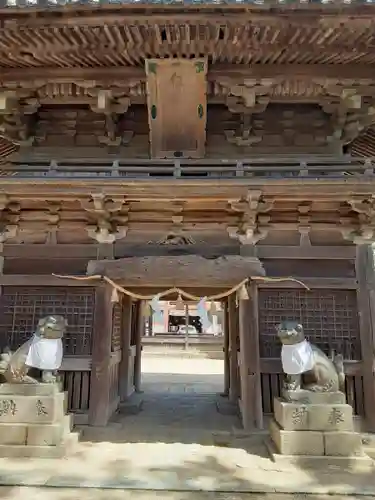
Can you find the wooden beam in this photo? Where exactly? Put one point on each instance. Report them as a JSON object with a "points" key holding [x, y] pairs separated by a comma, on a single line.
{"points": [[66, 251], [50, 188], [43, 280], [100, 389], [282, 16], [312, 252], [76, 364], [228, 71], [366, 280], [337, 283], [298, 189], [50, 252]]}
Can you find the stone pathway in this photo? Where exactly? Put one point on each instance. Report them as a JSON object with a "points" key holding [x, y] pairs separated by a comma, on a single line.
{"points": [[178, 447], [22, 493]]}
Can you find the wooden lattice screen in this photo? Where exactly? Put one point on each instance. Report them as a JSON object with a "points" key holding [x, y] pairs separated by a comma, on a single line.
{"points": [[330, 320], [22, 307]]}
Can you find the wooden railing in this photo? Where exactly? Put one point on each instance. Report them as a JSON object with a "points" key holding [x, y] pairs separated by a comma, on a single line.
{"points": [[280, 167], [76, 377]]}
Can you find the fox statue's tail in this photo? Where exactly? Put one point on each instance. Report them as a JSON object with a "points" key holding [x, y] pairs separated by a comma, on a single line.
{"points": [[338, 361]]}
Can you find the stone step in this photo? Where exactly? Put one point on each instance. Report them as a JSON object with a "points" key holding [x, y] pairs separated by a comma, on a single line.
{"points": [[355, 464], [24, 451], [368, 440]]}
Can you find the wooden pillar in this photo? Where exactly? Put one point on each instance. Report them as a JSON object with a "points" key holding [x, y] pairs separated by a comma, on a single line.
{"points": [[251, 396], [126, 330], [138, 347], [166, 316], [226, 348], [101, 357], [234, 390], [366, 311]]}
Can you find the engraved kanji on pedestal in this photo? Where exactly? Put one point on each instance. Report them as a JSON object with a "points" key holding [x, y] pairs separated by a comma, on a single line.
{"points": [[34, 421]]}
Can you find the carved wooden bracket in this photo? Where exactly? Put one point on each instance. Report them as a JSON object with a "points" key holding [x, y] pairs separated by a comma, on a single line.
{"points": [[177, 235], [16, 122], [304, 226], [112, 107], [350, 112], [8, 232], [53, 218], [111, 218], [102, 204], [364, 231], [245, 136], [104, 233], [253, 219]]}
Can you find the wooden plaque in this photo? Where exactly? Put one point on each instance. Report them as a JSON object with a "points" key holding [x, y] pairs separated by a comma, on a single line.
{"points": [[176, 98]]}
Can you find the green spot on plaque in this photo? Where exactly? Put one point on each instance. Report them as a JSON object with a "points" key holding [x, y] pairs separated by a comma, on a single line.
{"points": [[200, 111], [199, 67], [153, 111], [152, 67]]}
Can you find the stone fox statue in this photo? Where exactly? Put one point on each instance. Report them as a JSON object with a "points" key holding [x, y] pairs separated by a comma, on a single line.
{"points": [[42, 351], [305, 365]]}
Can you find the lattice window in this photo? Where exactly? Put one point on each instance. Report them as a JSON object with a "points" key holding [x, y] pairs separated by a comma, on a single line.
{"points": [[22, 307], [329, 318], [116, 327]]}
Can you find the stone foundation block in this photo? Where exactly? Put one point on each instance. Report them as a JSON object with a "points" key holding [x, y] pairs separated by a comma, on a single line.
{"points": [[343, 444], [13, 434], [46, 434], [29, 389], [296, 442], [59, 451], [318, 398], [31, 409], [352, 464], [313, 417]]}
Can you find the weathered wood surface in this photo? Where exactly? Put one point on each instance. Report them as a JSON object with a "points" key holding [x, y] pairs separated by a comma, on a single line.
{"points": [[178, 271], [220, 43], [101, 358], [234, 383], [126, 332], [176, 97], [366, 308], [304, 213], [69, 251]]}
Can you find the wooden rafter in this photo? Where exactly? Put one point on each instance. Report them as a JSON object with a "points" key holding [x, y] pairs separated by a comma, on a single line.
{"points": [[275, 39], [130, 75]]}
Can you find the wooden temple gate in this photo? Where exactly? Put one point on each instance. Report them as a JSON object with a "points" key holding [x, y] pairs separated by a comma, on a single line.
{"points": [[101, 364], [233, 138]]}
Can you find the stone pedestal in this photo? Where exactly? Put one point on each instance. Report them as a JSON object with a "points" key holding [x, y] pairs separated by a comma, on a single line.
{"points": [[316, 428], [33, 421]]}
